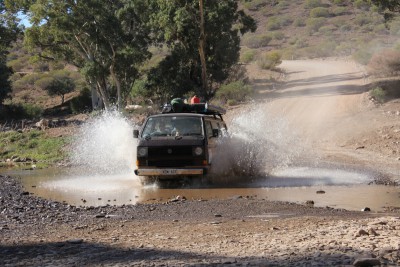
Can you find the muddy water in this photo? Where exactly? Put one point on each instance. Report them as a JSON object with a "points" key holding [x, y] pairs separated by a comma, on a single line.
{"points": [[342, 189]]}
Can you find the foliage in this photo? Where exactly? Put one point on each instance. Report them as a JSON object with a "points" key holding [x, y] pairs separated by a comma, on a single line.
{"points": [[248, 56], [362, 4], [81, 103], [257, 41], [385, 63], [299, 22], [313, 24], [20, 111], [107, 41], [319, 12], [33, 144], [269, 60], [58, 84], [181, 70], [378, 94], [314, 3], [392, 5], [236, 91], [8, 33]]}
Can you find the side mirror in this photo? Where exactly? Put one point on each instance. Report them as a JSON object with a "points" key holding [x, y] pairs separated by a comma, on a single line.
{"points": [[215, 132], [135, 133]]}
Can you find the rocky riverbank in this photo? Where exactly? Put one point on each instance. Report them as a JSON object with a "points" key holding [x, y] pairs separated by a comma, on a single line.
{"points": [[235, 232]]}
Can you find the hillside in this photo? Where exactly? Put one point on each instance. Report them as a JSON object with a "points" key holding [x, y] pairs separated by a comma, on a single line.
{"points": [[293, 29]]}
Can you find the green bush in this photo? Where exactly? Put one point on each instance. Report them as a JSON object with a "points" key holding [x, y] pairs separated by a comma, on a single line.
{"points": [[319, 12], [313, 24], [254, 4], [236, 91], [273, 25], [20, 111], [313, 3], [278, 35], [81, 103], [363, 19], [269, 60], [339, 11], [339, 2], [248, 56], [378, 94], [299, 22], [394, 27], [256, 41], [362, 4]]}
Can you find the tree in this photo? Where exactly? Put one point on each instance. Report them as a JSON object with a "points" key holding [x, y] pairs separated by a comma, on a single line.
{"points": [[217, 39], [107, 40], [56, 85], [8, 33]]}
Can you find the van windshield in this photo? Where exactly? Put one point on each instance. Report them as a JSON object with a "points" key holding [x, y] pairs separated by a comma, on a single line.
{"points": [[173, 126]]}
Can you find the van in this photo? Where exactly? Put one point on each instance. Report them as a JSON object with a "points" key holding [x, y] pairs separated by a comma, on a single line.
{"points": [[179, 142]]}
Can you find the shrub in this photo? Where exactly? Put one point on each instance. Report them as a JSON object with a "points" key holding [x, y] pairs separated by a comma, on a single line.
{"points": [[362, 19], [269, 60], [278, 35], [313, 24], [362, 4], [313, 3], [247, 56], [273, 25], [339, 11], [378, 94], [20, 111], [299, 22], [237, 91], [257, 41], [255, 4], [385, 63], [56, 85], [339, 2], [319, 12], [81, 103], [327, 30]]}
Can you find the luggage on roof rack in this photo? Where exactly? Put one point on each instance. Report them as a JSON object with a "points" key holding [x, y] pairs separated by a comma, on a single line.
{"points": [[202, 108]]}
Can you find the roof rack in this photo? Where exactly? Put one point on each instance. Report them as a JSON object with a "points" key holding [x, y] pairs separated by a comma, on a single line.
{"points": [[201, 108]]}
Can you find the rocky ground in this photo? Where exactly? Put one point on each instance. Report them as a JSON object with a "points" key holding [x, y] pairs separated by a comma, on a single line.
{"points": [[237, 232]]}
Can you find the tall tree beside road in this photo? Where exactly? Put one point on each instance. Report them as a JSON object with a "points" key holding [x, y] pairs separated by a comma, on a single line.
{"points": [[8, 33], [107, 40], [215, 41]]}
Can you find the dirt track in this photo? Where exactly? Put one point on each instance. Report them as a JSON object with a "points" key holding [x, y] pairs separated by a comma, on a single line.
{"points": [[326, 104]]}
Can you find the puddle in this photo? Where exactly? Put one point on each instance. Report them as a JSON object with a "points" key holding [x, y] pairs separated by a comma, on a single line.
{"points": [[341, 189]]}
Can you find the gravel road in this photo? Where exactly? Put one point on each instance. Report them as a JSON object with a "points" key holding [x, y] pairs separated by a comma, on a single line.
{"points": [[241, 231]]}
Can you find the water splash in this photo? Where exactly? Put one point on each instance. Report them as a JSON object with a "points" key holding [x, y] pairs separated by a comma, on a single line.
{"points": [[105, 145], [257, 143]]}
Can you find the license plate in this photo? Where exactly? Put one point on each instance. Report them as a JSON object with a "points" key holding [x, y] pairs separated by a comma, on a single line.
{"points": [[169, 172]]}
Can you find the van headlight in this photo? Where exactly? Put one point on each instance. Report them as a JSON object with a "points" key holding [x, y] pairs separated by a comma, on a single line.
{"points": [[198, 151], [142, 151]]}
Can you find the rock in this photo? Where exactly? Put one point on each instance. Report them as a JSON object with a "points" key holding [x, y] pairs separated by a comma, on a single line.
{"points": [[360, 147], [217, 215], [371, 231], [310, 202], [320, 192], [361, 232], [366, 209], [366, 262], [100, 215]]}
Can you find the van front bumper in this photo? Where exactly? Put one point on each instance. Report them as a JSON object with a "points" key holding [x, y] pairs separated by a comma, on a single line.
{"points": [[169, 172]]}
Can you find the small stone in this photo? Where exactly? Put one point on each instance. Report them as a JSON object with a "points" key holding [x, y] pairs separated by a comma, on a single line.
{"points": [[366, 209], [361, 232], [371, 231], [100, 215], [217, 215], [310, 202], [320, 192]]}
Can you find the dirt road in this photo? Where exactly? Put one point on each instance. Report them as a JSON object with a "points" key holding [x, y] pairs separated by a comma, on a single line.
{"points": [[326, 102]]}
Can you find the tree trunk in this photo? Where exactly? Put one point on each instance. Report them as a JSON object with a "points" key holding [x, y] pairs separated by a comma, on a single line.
{"points": [[202, 44], [102, 90], [118, 85]]}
